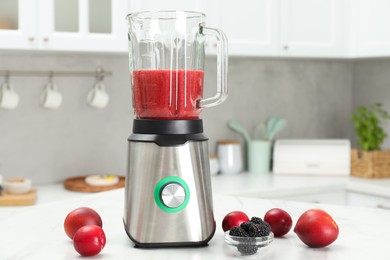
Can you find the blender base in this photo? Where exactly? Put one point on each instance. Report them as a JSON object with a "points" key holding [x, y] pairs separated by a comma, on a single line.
{"points": [[168, 197], [176, 244]]}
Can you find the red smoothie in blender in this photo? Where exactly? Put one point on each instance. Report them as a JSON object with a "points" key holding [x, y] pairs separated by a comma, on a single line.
{"points": [[167, 94]]}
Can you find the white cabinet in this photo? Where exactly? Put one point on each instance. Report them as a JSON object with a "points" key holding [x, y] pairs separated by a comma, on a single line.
{"points": [[17, 24], [68, 25], [156, 5], [314, 28], [251, 26], [304, 28], [334, 197], [372, 28], [367, 200], [276, 28], [299, 28], [346, 197], [87, 25]]}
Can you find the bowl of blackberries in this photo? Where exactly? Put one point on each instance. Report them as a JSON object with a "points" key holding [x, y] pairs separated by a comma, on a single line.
{"points": [[250, 238]]}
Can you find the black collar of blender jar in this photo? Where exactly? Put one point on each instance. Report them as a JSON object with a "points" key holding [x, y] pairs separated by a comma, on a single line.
{"points": [[167, 127], [167, 132]]}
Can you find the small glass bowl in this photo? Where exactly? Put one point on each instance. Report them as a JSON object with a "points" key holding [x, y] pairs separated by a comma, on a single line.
{"points": [[247, 247]]}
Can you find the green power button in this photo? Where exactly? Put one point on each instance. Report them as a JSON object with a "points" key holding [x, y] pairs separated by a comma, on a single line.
{"points": [[171, 194]]}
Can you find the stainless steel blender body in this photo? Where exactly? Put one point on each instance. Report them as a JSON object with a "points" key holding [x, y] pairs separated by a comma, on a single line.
{"points": [[149, 225], [168, 197]]}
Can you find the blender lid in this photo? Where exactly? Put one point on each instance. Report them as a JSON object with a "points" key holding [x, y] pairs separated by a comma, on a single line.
{"points": [[167, 127]]}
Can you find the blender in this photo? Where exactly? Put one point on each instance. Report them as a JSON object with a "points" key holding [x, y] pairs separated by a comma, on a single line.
{"points": [[168, 198]]}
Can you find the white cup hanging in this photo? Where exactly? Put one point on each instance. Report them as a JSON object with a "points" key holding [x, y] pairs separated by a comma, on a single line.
{"points": [[97, 96], [51, 97], [9, 98]]}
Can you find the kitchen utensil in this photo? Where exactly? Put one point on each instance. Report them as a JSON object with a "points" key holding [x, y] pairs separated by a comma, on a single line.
{"points": [[260, 131], [278, 126], [259, 156], [235, 126], [168, 185], [271, 122], [229, 156]]}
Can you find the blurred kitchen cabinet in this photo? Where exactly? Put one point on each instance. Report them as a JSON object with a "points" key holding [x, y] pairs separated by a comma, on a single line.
{"points": [[304, 28], [337, 197], [371, 28], [251, 26], [82, 25], [158, 5], [287, 28], [314, 28], [367, 200], [63, 25], [342, 197], [17, 24]]}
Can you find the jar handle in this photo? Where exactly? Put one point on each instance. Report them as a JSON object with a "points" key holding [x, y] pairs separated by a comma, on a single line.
{"points": [[222, 68]]}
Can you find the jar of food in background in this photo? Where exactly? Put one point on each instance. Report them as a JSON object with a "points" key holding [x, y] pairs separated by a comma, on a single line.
{"points": [[214, 165], [229, 156]]}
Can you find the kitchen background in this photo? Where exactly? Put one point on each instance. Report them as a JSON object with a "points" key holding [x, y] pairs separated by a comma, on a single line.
{"points": [[317, 95]]}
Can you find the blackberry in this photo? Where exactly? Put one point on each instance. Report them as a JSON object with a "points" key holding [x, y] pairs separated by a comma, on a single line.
{"points": [[256, 220], [266, 228], [246, 249], [254, 230], [246, 226], [238, 232]]}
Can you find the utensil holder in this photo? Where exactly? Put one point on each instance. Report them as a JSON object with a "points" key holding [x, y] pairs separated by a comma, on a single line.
{"points": [[259, 156]]}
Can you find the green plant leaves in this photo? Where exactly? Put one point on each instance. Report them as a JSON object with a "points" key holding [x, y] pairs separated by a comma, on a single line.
{"points": [[368, 126]]}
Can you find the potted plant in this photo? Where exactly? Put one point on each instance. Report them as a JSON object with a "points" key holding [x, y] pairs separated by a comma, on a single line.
{"points": [[369, 161]]}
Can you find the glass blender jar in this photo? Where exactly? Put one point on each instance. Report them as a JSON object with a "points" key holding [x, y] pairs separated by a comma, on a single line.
{"points": [[168, 200]]}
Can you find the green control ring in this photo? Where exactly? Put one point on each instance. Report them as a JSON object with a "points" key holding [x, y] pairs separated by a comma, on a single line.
{"points": [[161, 184]]}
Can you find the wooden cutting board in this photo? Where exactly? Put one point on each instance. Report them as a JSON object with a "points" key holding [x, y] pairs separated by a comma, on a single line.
{"points": [[26, 199], [79, 184]]}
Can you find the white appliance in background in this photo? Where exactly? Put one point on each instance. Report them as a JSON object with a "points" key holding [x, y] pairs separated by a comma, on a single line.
{"points": [[312, 157]]}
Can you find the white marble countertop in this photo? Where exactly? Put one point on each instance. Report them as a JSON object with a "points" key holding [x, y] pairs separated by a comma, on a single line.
{"points": [[36, 232]]}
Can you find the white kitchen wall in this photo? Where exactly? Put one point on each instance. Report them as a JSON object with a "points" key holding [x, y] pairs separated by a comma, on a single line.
{"points": [[372, 85], [315, 96], [48, 145]]}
